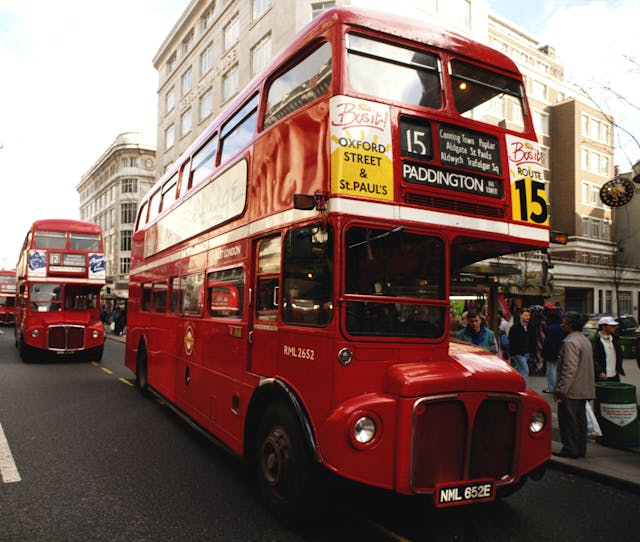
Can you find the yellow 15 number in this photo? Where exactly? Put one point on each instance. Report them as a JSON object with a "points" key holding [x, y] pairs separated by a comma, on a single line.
{"points": [[529, 200]]}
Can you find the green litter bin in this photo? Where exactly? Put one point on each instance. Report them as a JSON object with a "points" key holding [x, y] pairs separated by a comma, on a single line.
{"points": [[616, 409], [628, 345]]}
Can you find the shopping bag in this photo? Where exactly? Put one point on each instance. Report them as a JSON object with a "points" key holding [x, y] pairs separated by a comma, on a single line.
{"points": [[593, 427]]}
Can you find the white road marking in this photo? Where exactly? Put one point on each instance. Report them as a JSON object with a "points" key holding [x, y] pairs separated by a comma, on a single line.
{"points": [[8, 470]]}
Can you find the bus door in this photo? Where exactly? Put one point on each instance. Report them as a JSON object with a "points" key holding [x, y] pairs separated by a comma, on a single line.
{"points": [[263, 329]]}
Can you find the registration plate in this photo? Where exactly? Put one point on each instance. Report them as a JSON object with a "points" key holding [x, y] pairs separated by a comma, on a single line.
{"points": [[456, 494]]}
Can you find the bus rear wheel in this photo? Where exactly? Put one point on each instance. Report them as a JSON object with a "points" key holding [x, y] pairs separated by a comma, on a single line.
{"points": [[284, 466]]}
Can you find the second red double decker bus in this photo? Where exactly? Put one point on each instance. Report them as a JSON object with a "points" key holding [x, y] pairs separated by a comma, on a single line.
{"points": [[290, 276], [7, 297], [60, 273]]}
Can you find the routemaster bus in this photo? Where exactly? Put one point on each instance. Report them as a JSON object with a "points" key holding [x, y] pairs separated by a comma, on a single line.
{"points": [[7, 297], [290, 275], [60, 273]]}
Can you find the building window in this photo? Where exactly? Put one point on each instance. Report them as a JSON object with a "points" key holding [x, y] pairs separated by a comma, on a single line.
{"points": [[591, 195], [260, 54], [185, 122], [125, 264], [318, 7], [540, 122], [595, 129], [206, 103], [187, 81], [231, 32], [457, 12], [187, 43], [259, 7], [125, 240], [129, 186], [230, 83], [169, 137], [170, 65], [170, 99], [625, 302], [538, 90], [595, 162], [133, 161], [207, 16], [206, 59], [128, 212]]}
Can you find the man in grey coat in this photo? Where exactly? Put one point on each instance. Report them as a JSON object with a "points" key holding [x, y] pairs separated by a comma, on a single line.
{"points": [[575, 385]]}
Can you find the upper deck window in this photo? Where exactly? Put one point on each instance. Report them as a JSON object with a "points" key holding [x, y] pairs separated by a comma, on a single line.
{"points": [[393, 72], [84, 241], [239, 129], [487, 96], [303, 83], [49, 239]]}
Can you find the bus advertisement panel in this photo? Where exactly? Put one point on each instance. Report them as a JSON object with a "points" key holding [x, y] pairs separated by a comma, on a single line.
{"points": [[60, 273], [7, 297], [291, 272]]}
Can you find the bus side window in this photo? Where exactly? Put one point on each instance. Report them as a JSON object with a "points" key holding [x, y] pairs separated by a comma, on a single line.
{"points": [[174, 307], [160, 297], [191, 300], [307, 276], [142, 215], [146, 297], [306, 81], [267, 283], [239, 129], [168, 194], [225, 292], [204, 161]]}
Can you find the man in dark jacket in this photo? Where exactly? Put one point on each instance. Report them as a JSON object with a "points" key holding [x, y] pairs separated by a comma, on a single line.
{"points": [[607, 352], [520, 344]]}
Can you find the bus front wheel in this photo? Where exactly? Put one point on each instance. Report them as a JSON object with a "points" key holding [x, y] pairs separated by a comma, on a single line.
{"points": [[26, 353], [284, 466]]}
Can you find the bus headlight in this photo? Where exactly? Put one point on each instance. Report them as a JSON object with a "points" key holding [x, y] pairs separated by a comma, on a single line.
{"points": [[537, 422], [95, 334], [35, 334], [364, 430]]}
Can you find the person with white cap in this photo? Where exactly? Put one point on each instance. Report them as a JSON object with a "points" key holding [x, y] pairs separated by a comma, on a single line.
{"points": [[607, 352]]}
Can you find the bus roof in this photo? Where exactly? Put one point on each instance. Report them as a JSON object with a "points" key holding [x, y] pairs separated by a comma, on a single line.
{"points": [[67, 225]]}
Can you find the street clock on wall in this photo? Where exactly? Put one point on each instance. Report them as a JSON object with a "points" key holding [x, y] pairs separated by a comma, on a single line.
{"points": [[617, 192]]}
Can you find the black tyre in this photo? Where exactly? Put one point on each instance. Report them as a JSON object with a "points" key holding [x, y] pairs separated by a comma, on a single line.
{"points": [[26, 352], [284, 466], [141, 371]]}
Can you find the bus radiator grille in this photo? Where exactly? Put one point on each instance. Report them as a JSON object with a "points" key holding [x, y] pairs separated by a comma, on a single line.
{"points": [[448, 447], [65, 338], [466, 207]]}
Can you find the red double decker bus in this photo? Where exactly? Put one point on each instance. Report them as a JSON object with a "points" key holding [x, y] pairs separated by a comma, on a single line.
{"points": [[7, 297], [291, 272], [60, 273]]}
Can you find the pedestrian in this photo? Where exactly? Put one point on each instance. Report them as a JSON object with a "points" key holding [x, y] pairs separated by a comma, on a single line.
{"points": [[520, 344], [503, 335], [551, 348], [607, 351], [477, 333], [575, 386], [116, 319]]}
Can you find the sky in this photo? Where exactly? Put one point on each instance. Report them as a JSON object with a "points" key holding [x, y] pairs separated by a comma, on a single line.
{"points": [[77, 73]]}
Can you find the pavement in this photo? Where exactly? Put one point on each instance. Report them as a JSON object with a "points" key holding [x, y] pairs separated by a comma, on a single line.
{"points": [[616, 466]]}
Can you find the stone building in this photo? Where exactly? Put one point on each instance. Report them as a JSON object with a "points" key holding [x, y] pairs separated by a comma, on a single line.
{"points": [[109, 195]]}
